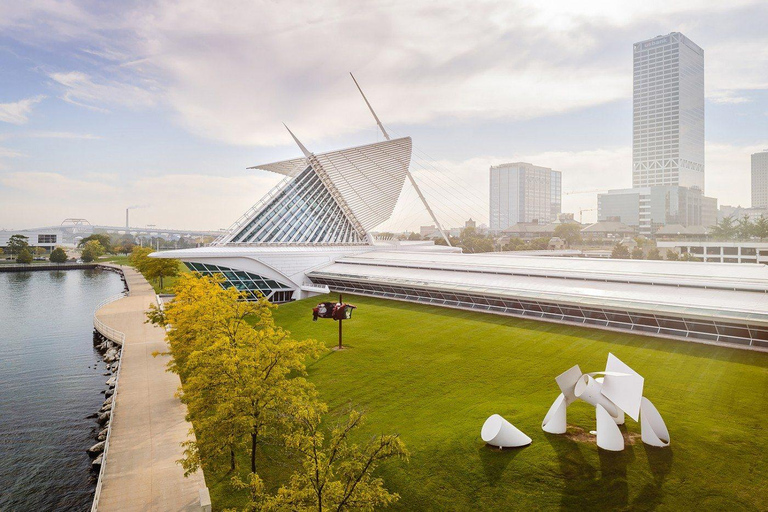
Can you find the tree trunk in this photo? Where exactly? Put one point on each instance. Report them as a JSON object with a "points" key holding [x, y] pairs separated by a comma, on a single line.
{"points": [[231, 459], [253, 452]]}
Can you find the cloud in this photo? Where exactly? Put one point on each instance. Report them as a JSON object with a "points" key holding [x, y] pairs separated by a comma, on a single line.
{"points": [[81, 89], [197, 202], [18, 112], [232, 71]]}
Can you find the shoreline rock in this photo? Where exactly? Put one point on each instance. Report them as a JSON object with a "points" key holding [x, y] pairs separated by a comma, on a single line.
{"points": [[97, 448]]}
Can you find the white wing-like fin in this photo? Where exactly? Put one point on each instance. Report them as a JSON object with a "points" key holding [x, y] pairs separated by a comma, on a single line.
{"points": [[623, 386], [653, 430], [555, 420], [567, 380], [608, 434]]}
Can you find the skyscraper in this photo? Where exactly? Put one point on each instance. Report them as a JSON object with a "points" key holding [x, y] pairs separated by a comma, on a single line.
{"points": [[760, 179], [522, 192], [667, 139], [668, 113]]}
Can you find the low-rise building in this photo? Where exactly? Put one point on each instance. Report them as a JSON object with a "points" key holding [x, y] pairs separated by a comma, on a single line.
{"points": [[719, 252]]}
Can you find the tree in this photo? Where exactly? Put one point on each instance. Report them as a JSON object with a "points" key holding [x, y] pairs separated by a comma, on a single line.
{"points": [[761, 227], [159, 268], [243, 383], [24, 257], [58, 255], [92, 250], [17, 243], [102, 238], [570, 232], [620, 251], [637, 253], [689, 257], [1, 251], [744, 228], [414, 236], [653, 254], [140, 259], [672, 255], [539, 244], [725, 229], [335, 473]]}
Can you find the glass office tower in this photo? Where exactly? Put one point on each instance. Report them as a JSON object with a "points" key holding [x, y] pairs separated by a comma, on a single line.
{"points": [[668, 100], [523, 192]]}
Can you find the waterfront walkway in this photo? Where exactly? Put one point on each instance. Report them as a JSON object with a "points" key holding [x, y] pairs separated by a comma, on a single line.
{"points": [[148, 424]]}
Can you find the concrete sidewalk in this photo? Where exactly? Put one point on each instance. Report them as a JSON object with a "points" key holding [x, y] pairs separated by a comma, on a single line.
{"points": [[148, 424]]}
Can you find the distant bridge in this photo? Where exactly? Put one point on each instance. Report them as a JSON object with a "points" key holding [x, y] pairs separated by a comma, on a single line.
{"points": [[74, 228]]}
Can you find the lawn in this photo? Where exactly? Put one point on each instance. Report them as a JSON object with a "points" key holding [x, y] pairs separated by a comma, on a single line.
{"points": [[434, 375]]}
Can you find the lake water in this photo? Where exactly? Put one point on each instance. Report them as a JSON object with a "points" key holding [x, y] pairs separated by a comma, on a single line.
{"points": [[51, 380]]}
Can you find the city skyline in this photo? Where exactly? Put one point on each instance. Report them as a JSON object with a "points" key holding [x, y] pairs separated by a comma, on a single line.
{"points": [[125, 108]]}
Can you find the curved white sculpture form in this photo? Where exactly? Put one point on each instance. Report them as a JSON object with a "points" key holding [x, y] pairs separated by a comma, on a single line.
{"points": [[609, 436], [614, 392], [499, 432], [653, 430], [554, 421]]}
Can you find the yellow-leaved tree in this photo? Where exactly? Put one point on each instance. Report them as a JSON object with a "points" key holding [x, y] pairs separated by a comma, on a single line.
{"points": [[242, 381]]}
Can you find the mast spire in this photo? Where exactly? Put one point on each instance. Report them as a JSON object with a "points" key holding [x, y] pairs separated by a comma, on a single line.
{"points": [[407, 171], [298, 142]]}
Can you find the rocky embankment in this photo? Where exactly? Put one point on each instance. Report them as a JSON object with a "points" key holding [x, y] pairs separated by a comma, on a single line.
{"points": [[110, 353]]}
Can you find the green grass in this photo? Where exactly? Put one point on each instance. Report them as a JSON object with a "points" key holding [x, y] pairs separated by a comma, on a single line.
{"points": [[434, 375]]}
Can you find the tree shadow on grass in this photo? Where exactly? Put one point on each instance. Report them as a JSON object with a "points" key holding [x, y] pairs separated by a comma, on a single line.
{"points": [[495, 461]]}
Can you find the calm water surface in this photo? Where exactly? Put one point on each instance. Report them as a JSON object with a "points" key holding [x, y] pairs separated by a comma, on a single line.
{"points": [[51, 379]]}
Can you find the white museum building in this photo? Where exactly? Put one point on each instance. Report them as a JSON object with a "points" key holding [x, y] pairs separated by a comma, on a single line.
{"points": [[311, 234]]}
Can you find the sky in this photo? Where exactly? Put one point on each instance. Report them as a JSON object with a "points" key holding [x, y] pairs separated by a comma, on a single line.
{"points": [[161, 106]]}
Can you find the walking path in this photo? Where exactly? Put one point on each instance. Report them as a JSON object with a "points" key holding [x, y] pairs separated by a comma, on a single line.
{"points": [[148, 424]]}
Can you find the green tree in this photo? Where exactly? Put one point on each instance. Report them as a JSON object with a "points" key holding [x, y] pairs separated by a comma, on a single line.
{"points": [[653, 254], [570, 233], [725, 229], [159, 268], [672, 255], [761, 227], [140, 259], [336, 474], [539, 244], [103, 239], [58, 255], [17, 243], [24, 257], [1, 251], [92, 250], [637, 253], [744, 228], [414, 236], [620, 251]]}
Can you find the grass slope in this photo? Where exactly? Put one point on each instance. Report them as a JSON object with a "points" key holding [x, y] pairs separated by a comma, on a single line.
{"points": [[434, 375]]}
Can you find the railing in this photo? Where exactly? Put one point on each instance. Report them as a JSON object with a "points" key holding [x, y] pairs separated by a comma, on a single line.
{"points": [[261, 203], [121, 336], [105, 330]]}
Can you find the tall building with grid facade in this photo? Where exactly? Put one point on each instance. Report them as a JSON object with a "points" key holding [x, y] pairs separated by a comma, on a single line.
{"points": [[523, 192], [760, 179], [668, 113]]}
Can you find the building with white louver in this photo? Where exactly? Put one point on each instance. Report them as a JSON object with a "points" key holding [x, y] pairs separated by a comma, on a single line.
{"points": [[311, 234]]}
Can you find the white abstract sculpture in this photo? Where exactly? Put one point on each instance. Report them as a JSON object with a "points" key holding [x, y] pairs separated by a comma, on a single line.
{"points": [[499, 432], [614, 392]]}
